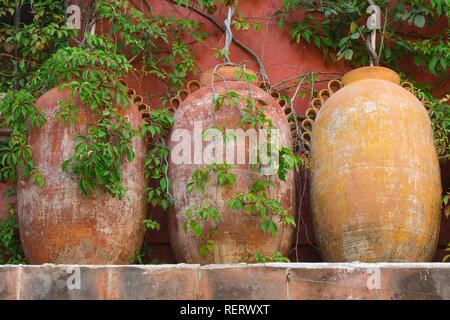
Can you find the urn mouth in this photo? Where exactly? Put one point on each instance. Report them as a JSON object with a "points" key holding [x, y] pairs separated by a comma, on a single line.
{"points": [[222, 73], [366, 73]]}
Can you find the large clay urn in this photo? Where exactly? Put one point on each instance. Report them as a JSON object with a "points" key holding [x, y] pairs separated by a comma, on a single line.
{"points": [[239, 235], [60, 225], [375, 174]]}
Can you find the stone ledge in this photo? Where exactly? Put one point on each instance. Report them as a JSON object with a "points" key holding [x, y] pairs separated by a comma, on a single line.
{"points": [[271, 281]]}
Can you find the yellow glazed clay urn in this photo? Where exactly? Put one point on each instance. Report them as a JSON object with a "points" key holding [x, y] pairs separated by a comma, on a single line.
{"points": [[375, 173]]}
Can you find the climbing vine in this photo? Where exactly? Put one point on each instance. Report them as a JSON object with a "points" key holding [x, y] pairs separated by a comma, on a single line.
{"points": [[159, 43], [338, 29], [93, 70], [257, 200], [39, 51], [156, 131], [439, 112]]}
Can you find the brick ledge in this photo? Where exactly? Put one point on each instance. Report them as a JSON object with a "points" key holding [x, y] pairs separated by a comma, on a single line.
{"points": [[271, 281]]}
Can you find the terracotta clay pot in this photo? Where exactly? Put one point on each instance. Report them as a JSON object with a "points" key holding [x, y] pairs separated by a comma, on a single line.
{"points": [[60, 225], [239, 235], [375, 181]]}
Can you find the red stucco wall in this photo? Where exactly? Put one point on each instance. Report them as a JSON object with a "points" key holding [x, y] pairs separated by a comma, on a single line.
{"points": [[281, 57]]}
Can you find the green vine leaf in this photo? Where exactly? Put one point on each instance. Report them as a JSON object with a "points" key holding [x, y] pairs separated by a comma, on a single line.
{"points": [[151, 224]]}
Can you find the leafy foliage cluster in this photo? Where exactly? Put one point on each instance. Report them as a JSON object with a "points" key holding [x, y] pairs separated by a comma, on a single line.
{"points": [[239, 22], [41, 51], [198, 218], [10, 248], [17, 110], [256, 201], [159, 43], [156, 131], [338, 29], [25, 45], [439, 112], [276, 257], [93, 71]]}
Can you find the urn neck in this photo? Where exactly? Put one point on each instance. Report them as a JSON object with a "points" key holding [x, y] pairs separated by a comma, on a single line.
{"points": [[222, 73], [367, 73]]}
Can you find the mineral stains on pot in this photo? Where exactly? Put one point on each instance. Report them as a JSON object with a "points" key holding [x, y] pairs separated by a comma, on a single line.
{"points": [[60, 225], [375, 178], [239, 235]]}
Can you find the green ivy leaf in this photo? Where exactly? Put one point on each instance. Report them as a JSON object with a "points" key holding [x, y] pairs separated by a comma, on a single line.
{"points": [[348, 54], [65, 164], [203, 251], [196, 228], [269, 226]]}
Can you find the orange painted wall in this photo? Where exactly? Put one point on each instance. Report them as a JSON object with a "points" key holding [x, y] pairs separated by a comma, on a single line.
{"points": [[281, 57]]}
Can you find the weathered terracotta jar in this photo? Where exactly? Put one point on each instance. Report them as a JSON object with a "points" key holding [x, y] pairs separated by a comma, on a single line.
{"points": [[239, 235], [375, 181], [60, 225]]}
